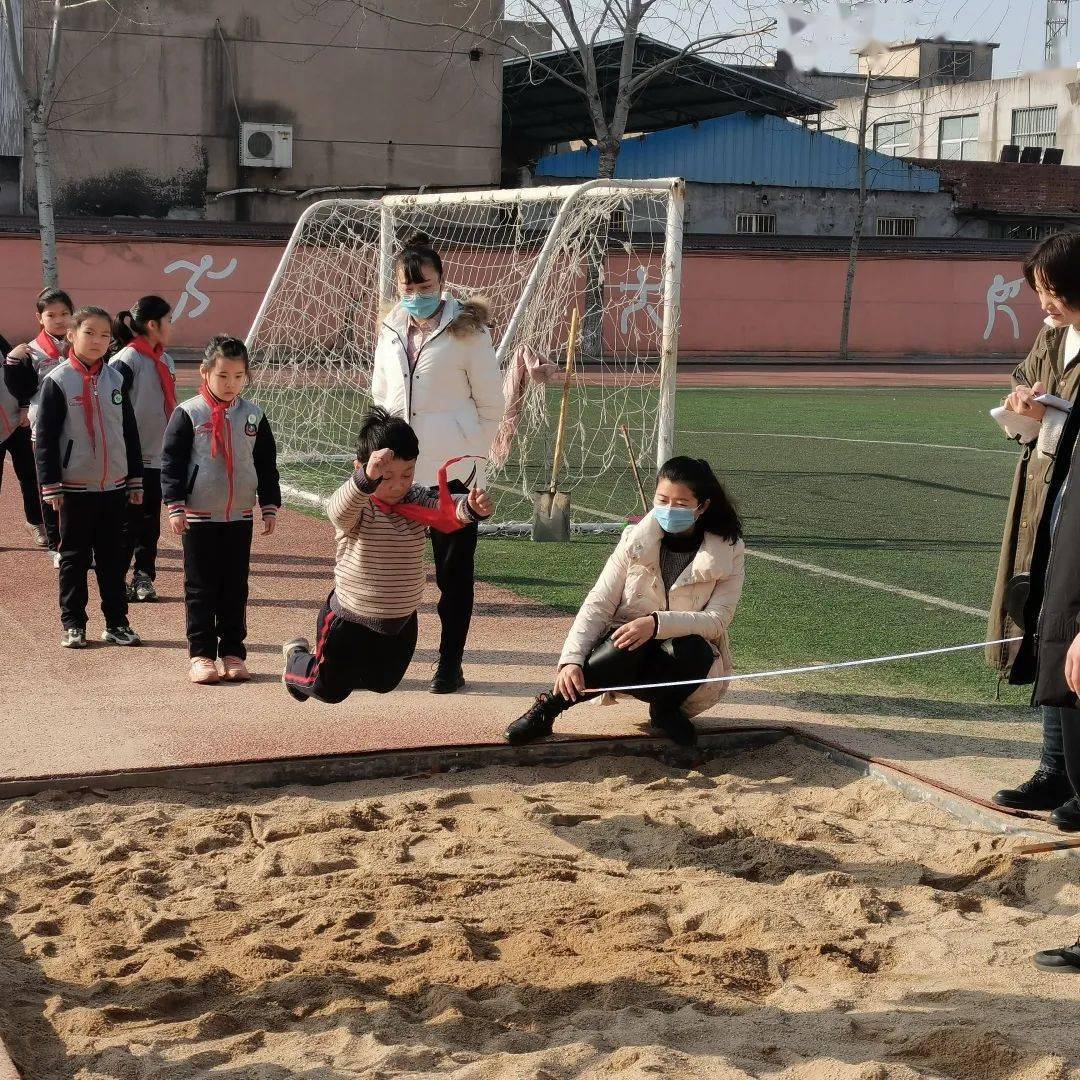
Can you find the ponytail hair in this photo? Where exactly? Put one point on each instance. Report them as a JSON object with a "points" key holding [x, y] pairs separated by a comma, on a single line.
{"points": [[418, 252], [697, 474], [146, 309]]}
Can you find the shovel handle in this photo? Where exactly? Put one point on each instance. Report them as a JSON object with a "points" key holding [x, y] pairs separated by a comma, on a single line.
{"points": [[633, 467], [571, 350], [1048, 845]]}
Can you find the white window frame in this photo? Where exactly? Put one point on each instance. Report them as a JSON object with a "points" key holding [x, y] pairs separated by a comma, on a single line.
{"points": [[893, 146], [1045, 133], [963, 142], [758, 224], [896, 226]]}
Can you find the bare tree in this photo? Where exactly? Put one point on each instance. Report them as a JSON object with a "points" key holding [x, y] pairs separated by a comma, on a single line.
{"points": [[579, 27], [37, 102]]}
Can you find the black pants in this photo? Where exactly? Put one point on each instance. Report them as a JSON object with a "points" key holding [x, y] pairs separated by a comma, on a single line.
{"points": [[18, 447], [92, 523], [455, 574], [142, 529], [1053, 748], [350, 657], [217, 557], [672, 660]]}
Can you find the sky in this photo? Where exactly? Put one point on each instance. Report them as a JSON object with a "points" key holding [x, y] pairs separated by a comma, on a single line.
{"points": [[1017, 25]]}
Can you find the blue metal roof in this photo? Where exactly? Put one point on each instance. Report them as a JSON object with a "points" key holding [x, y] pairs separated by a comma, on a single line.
{"points": [[745, 149]]}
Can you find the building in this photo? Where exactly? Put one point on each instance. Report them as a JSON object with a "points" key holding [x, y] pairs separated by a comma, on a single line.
{"points": [[247, 110]]}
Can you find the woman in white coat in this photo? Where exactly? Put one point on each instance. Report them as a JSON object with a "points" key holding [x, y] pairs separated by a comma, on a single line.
{"points": [[436, 368], [660, 611]]}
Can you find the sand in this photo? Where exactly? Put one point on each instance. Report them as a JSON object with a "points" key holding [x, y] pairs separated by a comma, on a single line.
{"points": [[772, 915]]}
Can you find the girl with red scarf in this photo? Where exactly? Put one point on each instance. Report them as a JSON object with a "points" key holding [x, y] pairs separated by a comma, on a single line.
{"points": [[366, 631], [150, 380], [218, 460]]}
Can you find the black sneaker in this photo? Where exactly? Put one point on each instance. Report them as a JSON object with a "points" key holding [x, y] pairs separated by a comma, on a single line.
{"points": [[448, 680], [120, 635], [675, 724], [142, 589], [74, 637], [1045, 790], [1067, 816], [1064, 959], [537, 723]]}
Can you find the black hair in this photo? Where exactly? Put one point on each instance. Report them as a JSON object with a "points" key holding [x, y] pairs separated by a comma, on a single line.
{"points": [[53, 296], [231, 348], [1055, 263], [381, 431], [90, 311], [418, 252], [697, 474], [145, 310]]}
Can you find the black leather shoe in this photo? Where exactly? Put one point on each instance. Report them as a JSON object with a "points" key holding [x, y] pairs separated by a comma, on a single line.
{"points": [[1067, 816], [675, 724], [1065, 959], [537, 723], [447, 680], [1044, 791]]}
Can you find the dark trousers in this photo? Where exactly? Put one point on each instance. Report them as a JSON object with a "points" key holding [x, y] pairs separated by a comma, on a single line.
{"points": [[92, 523], [17, 446], [217, 557], [350, 657], [142, 530], [455, 574], [672, 660], [1053, 747], [50, 520]]}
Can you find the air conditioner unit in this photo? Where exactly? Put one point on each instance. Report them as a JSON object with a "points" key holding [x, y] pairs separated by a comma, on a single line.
{"points": [[267, 146]]}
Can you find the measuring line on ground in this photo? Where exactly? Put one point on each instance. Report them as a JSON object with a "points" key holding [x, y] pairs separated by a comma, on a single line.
{"points": [[841, 439]]}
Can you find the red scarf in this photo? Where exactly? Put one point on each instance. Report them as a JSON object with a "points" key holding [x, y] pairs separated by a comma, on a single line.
{"points": [[89, 377], [47, 344], [165, 376], [219, 436], [444, 518]]}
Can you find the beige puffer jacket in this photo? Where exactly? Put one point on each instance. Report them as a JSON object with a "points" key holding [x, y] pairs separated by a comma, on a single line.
{"points": [[701, 601]]}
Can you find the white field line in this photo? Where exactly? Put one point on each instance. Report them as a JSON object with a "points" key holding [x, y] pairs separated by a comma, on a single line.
{"points": [[840, 439], [797, 564]]}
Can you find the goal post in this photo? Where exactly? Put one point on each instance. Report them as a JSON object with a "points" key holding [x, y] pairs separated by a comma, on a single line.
{"points": [[613, 248]]}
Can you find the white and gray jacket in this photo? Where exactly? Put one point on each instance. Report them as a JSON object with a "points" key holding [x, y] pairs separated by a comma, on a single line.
{"points": [[25, 368], [148, 401], [68, 460], [200, 486]]}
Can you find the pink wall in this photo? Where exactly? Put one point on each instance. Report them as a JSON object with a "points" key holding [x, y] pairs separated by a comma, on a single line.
{"points": [[732, 304]]}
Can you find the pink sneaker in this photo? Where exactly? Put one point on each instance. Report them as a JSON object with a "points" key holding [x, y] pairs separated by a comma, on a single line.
{"points": [[233, 669], [204, 671]]}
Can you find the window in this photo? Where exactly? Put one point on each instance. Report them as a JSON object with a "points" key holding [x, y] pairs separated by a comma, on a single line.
{"points": [[1035, 127], [896, 226], [755, 223], [1022, 230], [954, 65], [893, 137], [958, 138]]}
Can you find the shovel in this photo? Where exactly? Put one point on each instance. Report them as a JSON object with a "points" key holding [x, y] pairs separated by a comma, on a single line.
{"points": [[551, 508], [634, 518]]}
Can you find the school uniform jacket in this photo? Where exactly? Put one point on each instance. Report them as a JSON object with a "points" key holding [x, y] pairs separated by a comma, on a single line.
{"points": [[25, 369], [144, 387], [68, 460], [201, 486], [10, 404]]}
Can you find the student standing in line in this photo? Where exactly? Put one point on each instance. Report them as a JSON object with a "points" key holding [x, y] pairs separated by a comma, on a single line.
{"points": [[435, 367], [89, 465], [24, 369], [150, 379], [218, 460]]}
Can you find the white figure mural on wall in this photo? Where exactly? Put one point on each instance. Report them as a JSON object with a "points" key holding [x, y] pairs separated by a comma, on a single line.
{"points": [[639, 301], [191, 289], [1001, 290]]}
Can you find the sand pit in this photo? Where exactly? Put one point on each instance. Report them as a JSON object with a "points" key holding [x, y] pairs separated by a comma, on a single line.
{"points": [[771, 915]]}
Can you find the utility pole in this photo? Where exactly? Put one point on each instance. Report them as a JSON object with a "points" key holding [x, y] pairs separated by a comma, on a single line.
{"points": [[1057, 28]]}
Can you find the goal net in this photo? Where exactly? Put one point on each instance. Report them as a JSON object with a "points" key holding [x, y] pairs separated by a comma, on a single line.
{"points": [[610, 248]]}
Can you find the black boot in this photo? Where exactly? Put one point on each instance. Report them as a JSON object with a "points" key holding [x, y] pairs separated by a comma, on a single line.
{"points": [[448, 679], [1045, 790], [1067, 816], [537, 723], [1064, 959], [674, 723]]}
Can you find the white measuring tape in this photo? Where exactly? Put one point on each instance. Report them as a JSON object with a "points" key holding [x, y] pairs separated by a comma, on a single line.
{"points": [[805, 670]]}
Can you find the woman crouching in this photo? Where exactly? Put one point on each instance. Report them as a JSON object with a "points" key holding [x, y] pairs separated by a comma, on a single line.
{"points": [[660, 611]]}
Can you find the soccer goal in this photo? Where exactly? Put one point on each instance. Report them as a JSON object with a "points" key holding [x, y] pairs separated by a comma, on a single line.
{"points": [[612, 248]]}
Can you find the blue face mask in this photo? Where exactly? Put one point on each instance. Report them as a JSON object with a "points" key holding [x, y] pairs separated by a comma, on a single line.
{"points": [[421, 307], [675, 519]]}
